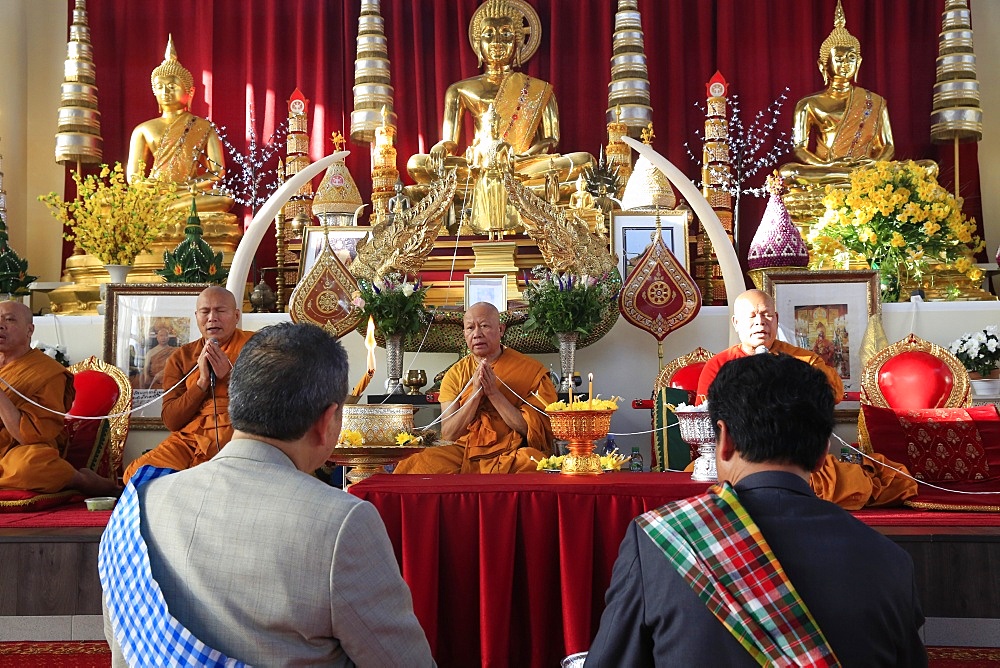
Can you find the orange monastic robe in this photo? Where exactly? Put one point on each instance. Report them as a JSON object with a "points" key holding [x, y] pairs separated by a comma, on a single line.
{"points": [[191, 414], [713, 365], [850, 486], [488, 444], [35, 465]]}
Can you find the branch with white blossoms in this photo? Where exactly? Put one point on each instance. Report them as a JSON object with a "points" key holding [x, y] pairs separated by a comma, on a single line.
{"points": [[58, 353], [978, 352]]}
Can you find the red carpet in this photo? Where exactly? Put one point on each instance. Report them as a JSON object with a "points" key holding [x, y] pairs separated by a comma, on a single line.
{"points": [[881, 517], [72, 515], [91, 654], [97, 655]]}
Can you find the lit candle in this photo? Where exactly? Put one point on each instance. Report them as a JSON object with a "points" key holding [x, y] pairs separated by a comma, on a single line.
{"points": [[590, 390], [571, 388]]}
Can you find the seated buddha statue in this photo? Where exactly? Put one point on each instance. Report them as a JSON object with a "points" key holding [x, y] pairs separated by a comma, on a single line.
{"points": [[837, 129], [185, 149], [503, 33]]}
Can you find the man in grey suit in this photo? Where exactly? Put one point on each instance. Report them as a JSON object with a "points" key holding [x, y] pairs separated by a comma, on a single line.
{"points": [[257, 560], [700, 581]]}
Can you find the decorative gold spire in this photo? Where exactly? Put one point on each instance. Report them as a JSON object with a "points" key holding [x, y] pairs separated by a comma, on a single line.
{"points": [[372, 89], [618, 152], [957, 114], [78, 137], [716, 173], [629, 87]]}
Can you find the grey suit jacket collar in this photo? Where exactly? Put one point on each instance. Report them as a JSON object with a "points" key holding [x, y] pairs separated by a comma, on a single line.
{"points": [[254, 450]]}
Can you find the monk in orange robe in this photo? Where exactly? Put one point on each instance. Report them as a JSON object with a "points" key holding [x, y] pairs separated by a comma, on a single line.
{"points": [[31, 437], [850, 486], [197, 412], [491, 407]]}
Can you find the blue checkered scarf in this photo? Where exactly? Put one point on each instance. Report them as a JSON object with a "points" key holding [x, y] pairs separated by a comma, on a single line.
{"points": [[144, 628]]}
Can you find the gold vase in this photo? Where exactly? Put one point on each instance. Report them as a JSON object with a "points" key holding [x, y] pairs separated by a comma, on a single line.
{"points": [[581, 429]]}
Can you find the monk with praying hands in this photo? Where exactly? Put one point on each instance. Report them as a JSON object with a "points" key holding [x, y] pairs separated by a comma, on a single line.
{"points": [[852, 486], [197, 410], [492, 407], [35, 392]]}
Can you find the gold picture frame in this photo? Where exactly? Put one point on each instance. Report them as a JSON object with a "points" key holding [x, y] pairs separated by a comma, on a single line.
{"points": [[830, 322], [345, 240], [632, 232], [132, 314], [490, 288]]}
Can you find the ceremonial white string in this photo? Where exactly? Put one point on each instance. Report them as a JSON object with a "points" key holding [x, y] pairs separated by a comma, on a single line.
{"points": [[97, 417]]}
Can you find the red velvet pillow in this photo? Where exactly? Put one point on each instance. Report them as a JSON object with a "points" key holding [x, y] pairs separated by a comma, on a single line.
{"points": [[96, 394], [686, 378], [915, 379], [939, 444], [20, 501]]}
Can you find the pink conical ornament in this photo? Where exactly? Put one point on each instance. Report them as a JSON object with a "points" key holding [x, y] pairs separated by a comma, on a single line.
{"points": [[777, 242]]}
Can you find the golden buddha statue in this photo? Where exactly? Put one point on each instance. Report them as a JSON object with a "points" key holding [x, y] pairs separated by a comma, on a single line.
{"points": [[186, 150], [837, 129], [504, 34]]}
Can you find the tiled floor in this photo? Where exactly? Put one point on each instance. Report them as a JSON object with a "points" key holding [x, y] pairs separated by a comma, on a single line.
{"points": [[63, 627], [938, 632]]}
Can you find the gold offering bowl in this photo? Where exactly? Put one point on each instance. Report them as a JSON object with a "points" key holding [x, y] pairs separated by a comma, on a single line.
{"points": [[415, 379], [581, 429], [378, 424]]}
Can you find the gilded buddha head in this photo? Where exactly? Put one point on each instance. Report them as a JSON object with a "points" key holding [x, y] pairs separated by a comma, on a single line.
{"points": [[840, 52], [172, 83], [505, 31]]}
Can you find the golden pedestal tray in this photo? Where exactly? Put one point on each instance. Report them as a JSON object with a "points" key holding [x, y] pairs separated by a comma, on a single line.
{"points": [[365, 461], [581, 429]]}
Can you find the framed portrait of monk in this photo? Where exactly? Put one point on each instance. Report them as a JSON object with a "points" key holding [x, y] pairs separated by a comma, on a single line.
{"points": [[143, 324], [632, 233], [827, 312], [344, 239]]}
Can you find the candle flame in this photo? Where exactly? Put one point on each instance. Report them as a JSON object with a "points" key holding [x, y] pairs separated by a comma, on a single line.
{"points": [[370, 344]]}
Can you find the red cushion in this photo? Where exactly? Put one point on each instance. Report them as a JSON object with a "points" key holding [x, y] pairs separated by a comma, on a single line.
{"points": [[954, 448], [915, 379], [686, 378], [19, 501], [96, 394]]}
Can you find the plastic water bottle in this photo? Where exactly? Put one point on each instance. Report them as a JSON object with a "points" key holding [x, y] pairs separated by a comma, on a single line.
{"points": [[635, 461], [609, 444]]}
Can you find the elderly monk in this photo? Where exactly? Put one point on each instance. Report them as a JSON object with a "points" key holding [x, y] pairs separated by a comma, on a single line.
{"points": [[755, 319], [197, 411], [31, 435], [492, 403]]}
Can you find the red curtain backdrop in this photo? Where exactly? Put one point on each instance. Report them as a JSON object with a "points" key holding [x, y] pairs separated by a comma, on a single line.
{"points": [[246, 53]]}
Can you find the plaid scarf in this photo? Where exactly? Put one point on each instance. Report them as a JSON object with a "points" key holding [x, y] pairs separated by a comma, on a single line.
{"points": [[719, 551], [144, 628]]}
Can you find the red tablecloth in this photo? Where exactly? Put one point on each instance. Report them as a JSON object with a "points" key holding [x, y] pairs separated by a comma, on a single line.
{"points": [[511, 570]]}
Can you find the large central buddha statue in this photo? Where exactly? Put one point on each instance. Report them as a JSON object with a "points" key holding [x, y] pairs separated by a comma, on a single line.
{"points": [[504, 34], [837, 129], [185, 149]]}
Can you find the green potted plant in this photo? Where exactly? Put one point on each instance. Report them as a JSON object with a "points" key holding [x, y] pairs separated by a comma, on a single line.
{"points": [[396, 305]]}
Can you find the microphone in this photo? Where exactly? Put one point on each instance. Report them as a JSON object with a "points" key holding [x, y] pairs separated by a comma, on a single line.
{"points": [[760, 350], [211, 369]]}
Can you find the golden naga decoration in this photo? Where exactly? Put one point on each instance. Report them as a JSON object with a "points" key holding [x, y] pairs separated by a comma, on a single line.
{"points": [[403, 242], [566, 244]]}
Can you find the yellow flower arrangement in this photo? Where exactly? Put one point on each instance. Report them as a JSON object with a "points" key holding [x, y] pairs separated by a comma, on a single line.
{"points": [[897, 216], [578, 404], [406, 438], [351, 438], [111, 219]]}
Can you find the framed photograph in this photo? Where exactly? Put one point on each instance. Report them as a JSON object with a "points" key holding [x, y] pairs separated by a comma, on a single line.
{"points": [[632, 232], [343, 239], [826, 311], [490, 288], [143, 325]]}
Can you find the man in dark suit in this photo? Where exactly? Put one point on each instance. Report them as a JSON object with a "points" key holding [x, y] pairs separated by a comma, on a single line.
{"points": [[853, 597]]}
